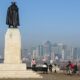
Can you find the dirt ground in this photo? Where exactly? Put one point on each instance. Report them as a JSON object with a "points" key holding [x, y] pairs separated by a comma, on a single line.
{"points": [[53, 76]]}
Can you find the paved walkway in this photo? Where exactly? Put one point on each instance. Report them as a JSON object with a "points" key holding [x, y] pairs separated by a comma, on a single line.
{"points": [[53, 76]]}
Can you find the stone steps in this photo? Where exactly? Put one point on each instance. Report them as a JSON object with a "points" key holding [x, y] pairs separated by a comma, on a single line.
{"points": [[19, 74]]}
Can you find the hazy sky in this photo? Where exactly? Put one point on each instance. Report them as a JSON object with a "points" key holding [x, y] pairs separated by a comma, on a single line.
{"points": [[42, 20]]}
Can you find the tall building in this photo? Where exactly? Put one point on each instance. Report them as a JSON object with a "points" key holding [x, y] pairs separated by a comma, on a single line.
{"points": [[61, 52], [40, 50], [68, 53], [47, 49], [52, 54], [76, 54], [35, 53], [58, 50]]}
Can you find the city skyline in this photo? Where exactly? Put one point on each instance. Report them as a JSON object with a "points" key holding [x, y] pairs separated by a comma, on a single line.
{"points": [[52, 51], [42, 20], [49, 50]]}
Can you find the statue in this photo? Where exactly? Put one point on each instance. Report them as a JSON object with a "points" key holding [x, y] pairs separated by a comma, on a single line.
{"points": [[12, 18]]}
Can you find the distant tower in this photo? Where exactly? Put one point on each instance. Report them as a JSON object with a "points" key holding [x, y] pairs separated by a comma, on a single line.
{"points": [[62, 54], [47, 49]]}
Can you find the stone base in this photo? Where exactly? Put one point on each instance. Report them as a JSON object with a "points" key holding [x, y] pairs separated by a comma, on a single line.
{"points": [[12, 67], [16, 71], [18, 74], [12, 50]]}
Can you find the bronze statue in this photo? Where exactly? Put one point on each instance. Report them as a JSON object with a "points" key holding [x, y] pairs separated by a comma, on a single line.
{"points": [[12, 18]]}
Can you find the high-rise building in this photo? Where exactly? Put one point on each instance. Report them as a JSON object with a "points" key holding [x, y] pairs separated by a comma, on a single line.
{"points": [[68, 53], [47, 49], [40, 50], [35, 53], [52, 54], [76, 54]]}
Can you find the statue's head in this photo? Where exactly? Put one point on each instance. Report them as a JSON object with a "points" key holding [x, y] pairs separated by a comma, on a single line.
{"points": [[13, 3]]}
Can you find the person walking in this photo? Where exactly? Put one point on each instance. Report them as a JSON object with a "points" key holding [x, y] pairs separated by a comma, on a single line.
{"points": [[50, 67], [33, 64]]}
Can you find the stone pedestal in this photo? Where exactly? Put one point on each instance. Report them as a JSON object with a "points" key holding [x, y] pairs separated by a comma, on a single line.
{"points": [[12, 51], [13, 67]]}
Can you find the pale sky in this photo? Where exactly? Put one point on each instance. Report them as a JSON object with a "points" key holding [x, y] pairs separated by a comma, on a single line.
{"points": [[42, 20]]}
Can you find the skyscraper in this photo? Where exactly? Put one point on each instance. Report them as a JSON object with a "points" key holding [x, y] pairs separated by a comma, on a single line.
{"points": [[47, 49]]}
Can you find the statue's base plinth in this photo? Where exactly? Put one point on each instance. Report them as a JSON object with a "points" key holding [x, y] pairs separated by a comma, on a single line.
{"points": [[8, 67], [16, 71], [12, 66], [12, 50]]}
